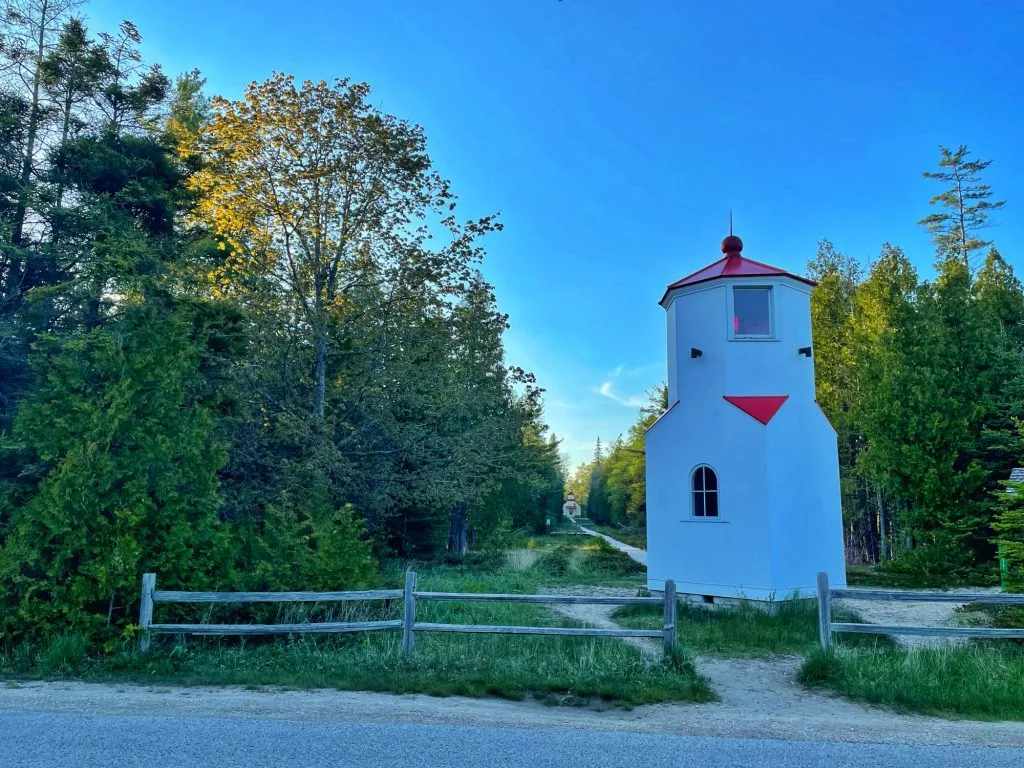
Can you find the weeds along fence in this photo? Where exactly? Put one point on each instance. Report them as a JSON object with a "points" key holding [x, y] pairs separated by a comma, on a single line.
{"points": [[827, 627], [410, 596]]}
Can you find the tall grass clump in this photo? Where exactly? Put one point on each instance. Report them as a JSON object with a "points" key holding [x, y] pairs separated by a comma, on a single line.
{"points": [[984, 682], [556, 670]]}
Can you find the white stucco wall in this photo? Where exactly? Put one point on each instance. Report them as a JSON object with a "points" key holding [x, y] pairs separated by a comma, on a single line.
{"points": [[780, 518], [806, 508], [727, 557]]}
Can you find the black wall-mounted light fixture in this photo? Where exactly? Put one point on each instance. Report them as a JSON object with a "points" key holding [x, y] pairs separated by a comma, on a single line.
{"points": [[695, 353], [805, 351]]}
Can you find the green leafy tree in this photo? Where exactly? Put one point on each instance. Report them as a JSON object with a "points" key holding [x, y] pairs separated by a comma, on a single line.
{"points": [[865, 513], [625, 467], [891, 387], [317, 195]]}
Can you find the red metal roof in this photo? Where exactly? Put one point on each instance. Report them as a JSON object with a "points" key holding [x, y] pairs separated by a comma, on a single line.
{"points": [[733, 265]]}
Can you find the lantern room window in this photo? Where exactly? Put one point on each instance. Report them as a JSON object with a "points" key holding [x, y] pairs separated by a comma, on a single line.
{"points": [[752, 312], [705, 492]]}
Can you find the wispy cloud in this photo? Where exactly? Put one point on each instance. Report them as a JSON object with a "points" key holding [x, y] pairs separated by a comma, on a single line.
{"points": [[620, 374], [632, 401]]}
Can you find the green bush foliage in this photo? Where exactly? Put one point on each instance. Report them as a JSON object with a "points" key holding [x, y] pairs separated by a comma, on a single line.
{"points": [[174, 399]]}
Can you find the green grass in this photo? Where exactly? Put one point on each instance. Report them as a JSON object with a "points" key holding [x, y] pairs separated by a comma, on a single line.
{"points": [[635, 537], [888, 576], [575, 671], [584, 671], [984, 682], [580, 560], [744, 630]]}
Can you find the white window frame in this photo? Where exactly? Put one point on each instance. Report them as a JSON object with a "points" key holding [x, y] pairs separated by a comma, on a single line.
{"points": [[773, 332], [717, 492]]}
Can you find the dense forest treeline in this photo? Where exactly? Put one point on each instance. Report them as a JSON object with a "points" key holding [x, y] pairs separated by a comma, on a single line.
{"points": [[243, 344], [923, 380]]}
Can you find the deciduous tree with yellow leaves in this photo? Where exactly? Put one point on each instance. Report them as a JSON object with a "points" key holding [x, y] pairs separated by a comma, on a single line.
{"points": [[315, 195]]}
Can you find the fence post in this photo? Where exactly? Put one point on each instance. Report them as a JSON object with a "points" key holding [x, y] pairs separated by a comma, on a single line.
{"points": [[824, 610], [669, 632], [408, 613], [146, 610]]}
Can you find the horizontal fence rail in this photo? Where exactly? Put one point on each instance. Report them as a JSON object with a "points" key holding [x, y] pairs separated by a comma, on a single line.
{"points": [[274, 597], [408, 624], [826, 627], [512, 630], [558, 599], [313, 628], [926, 597]]}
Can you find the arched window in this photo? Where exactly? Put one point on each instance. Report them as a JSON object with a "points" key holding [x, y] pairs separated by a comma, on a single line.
{"points": [[705, 492]]}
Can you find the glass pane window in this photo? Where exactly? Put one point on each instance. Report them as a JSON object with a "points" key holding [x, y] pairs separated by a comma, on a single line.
{"points": [[705, 492], [752, 312]]}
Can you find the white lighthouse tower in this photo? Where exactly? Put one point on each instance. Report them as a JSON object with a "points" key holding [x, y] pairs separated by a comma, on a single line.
{"points": [[743, 495]]}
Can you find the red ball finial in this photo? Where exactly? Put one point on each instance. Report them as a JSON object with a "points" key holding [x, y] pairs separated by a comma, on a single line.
{"points": [[732, 245]]}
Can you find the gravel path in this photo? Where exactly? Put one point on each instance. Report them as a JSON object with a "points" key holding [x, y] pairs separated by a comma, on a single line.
{"points": [[635, 553], [761, 696], [759, 701]]}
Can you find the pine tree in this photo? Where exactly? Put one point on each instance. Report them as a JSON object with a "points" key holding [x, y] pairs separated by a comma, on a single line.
{"points": [[597, 497], [966, 203]]}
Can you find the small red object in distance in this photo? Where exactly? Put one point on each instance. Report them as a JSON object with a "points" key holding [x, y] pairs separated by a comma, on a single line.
{"points": [[761, 407]]}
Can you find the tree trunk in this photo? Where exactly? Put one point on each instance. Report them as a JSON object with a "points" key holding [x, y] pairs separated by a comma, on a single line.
{"points": [[883, 525], [320, 373], [458, 530], [21, 211]]}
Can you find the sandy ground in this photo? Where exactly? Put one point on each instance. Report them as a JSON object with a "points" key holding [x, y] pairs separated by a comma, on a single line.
{"points": [[760, 697], [894, 612]]}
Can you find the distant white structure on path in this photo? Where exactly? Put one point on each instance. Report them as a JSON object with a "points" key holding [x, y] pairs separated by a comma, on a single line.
{"points": [[743, 492], [571, 507]]}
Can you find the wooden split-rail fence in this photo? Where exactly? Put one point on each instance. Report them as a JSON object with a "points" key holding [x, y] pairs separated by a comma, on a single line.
{"points": [[826, 627], [408, 624]]}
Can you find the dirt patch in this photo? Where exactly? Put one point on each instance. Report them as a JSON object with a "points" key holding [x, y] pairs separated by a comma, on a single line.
{"points": [[761, 698], [600, 615], [895, 612]]}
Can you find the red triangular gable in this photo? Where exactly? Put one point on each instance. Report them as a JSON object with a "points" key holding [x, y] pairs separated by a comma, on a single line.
{"points": [[761, 407]]}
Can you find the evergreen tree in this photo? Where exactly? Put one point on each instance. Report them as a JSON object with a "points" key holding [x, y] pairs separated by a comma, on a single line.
{"points": [[597, 497], [1009, 527], [967, 205]]}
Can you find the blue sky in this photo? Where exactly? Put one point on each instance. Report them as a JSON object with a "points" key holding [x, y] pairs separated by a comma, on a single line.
{"points": [[615, 135]]}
